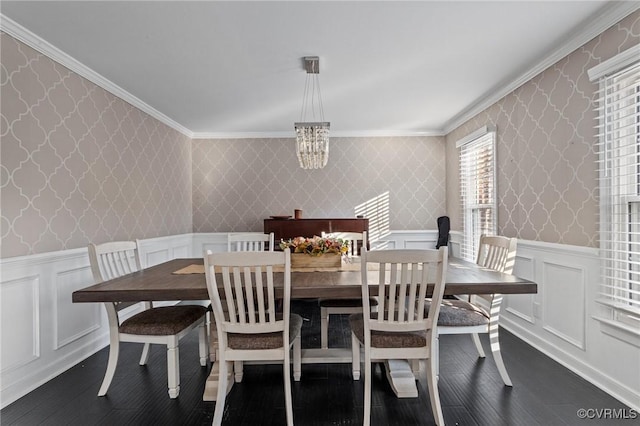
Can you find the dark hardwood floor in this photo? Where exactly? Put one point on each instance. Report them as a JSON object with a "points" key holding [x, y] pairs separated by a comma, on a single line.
{"points": [[471, 391]]}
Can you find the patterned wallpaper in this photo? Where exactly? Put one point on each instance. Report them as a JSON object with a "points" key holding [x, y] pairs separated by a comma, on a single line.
{"points": [[547, 181], [238, 183], [78, 164]]}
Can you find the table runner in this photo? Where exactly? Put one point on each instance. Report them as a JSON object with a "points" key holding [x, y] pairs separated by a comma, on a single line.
{"points": [[346, 266]]}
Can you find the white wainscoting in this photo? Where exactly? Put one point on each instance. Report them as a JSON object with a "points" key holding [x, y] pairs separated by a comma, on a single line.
{"points": [[43, 333], [216, 242]]}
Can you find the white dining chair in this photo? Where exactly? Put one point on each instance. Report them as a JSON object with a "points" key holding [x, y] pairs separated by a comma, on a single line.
{"points": [[401, 328], [164, 325], [248, 323], [250, 241], [330, 306], [473, 316]]}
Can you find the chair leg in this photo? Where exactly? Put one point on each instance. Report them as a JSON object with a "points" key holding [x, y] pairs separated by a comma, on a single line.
{"points": [[434, 395], [287, 389], [238, 368], [497, 356], [145, 354], [173, 367], [366, 418], [436, 358], [324, 328], [114, 351], [203, 344], [222, 390], [476, 341], [297, 358], [213, 338], [355, 357]]}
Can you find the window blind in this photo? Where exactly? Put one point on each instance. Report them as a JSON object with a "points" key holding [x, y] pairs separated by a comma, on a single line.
{"points": [[618, 112], [477, 185]]}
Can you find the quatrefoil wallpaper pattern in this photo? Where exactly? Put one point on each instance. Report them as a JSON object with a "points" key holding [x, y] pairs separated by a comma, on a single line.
{"points": [[237, 183], [80, 165], [546, 154]]}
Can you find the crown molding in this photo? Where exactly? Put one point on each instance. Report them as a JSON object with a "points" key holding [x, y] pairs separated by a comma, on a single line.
{"points": [[333, 134], [386, 133], [34, 41], [243, 135], [590, 29]]}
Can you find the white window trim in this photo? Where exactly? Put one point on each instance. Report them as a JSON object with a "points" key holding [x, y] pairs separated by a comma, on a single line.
{"points": [[616, 319], [471, 138]]}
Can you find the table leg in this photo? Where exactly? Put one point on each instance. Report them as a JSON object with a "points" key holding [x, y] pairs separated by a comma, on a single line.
{"points": [[211, 386], [401, 378]]}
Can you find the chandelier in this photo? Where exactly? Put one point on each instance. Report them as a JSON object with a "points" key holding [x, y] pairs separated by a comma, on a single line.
{"points": [[312, 137]]}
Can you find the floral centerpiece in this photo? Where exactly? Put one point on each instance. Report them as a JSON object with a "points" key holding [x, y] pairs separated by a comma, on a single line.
{"points": [[327, 252], [316, 246]]}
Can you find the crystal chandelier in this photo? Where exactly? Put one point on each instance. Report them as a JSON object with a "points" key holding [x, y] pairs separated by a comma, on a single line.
{"points": [[312, 138]]}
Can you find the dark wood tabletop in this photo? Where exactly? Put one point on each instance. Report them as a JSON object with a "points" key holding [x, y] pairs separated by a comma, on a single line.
{"points": [[160, 283]]}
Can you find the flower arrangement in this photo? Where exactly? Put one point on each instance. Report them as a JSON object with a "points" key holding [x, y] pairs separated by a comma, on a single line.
{"points": [[316, 246]]}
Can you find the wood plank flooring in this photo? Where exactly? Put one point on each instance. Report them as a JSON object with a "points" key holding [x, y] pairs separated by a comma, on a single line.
{"points": [[472, 393]]}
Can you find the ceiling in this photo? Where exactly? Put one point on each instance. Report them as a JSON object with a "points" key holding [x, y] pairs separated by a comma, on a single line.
{"points": [[235, 68]]}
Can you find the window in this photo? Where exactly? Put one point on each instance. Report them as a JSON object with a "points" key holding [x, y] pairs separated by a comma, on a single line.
{"points": [[477, 184], [618, 110]]}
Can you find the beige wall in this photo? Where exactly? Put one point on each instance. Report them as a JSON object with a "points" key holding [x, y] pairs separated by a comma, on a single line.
{"points": [[79, 164], [239, 182], [547, 187]]}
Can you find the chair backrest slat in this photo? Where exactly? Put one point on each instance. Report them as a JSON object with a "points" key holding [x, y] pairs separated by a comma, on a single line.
{"points": [[249, 289], [240, 298], [403, 280], [262, 309], [271, 292], [248, 293], [382, 290], [228, 290]]}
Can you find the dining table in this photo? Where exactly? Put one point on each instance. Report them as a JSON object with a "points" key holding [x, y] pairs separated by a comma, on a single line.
{"points": [[183, 279]]}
